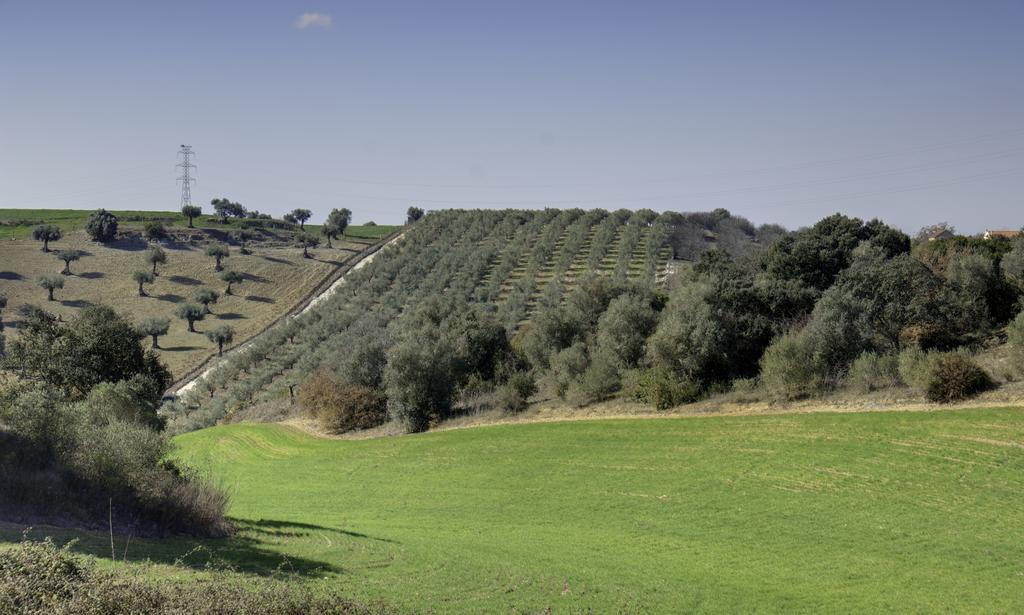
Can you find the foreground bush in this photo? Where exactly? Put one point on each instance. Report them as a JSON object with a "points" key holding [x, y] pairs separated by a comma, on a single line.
{"points": [[38, 578], [954, 377], [341, 407], [872, 372], [515, 395], [661, 388]]}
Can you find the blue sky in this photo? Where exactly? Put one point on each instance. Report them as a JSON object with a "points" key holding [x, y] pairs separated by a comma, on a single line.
{"points": [[779, 111]]}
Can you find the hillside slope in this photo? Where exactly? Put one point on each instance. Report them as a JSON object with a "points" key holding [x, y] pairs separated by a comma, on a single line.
{"points": [[276, 278], [505, 263]]}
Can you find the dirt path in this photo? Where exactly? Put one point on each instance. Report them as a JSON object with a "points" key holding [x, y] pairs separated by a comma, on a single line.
{"points": [[190, 380]]}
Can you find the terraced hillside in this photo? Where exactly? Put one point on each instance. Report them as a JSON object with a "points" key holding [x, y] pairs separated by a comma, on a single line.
{"points": [[276, 278], [509, 261], [505, 263]]}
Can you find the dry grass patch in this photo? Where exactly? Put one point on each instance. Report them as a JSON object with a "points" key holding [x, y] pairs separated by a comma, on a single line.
{"points": [[276, 279]]}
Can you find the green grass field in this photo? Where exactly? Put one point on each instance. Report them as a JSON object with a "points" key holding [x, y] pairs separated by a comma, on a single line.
{"points": [[808, 512], [18, 223]]}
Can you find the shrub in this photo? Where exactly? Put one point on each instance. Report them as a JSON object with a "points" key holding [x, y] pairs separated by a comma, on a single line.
{"points": [[599, 381], [101, 225], [341, 407], [514, 395], [1015, 338], [154, 230], [914, 366], [787, 371], [662, 389], [38, 578], [872, 371], [954, 377]]}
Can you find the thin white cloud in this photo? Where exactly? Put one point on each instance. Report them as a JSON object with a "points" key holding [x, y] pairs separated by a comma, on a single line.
{"points": [[313, 20]]}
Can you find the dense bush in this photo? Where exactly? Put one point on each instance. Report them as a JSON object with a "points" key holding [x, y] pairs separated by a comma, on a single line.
{"points": [[98, 345], [662, 389], [954, 377], [39, 578], [339, 406], [872, 371], [515, 394], [101, 226], [787, 371]]}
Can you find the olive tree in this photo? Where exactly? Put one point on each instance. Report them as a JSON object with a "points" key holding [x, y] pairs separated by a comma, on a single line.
{"points": [[191, 212], [413, 214], [301, 215], [218, 252], [69, 256], [143, 277], [220, 336], [190, 312], [155, 255], [337, 221], [306, 241], [205, 297], [155, 327], [231, 277], [46, 233], [51, 282]]}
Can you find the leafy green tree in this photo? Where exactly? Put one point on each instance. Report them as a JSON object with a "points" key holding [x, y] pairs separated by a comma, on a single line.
{"points": [[154, 328], [231, 277], [624, 327], [413, 214], [337, 221], [302, 215], [46, 233], [101, 226], [143, 277], [155, 255], [205, 297], [220, 336], [191, 212], [226, 208], [3, 302], [420, 379], [306, 241], [51, 282], [290, 219], [98, 345], [190, 312], [69, 256], [218, 252], [816, 255]]}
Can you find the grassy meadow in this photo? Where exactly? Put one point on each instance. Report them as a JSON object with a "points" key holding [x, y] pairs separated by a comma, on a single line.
{"points": [[851, 512], [276, 279]]}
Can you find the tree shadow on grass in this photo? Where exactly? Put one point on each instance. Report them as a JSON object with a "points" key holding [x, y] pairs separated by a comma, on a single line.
{"points": [[91, 275], [10, 275], [179, 348], [253, 277], [246, 552], [259, 299], [185, 280], [76, 303], [129, 244], [171, 297], [275, 259], [231, 316]]}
